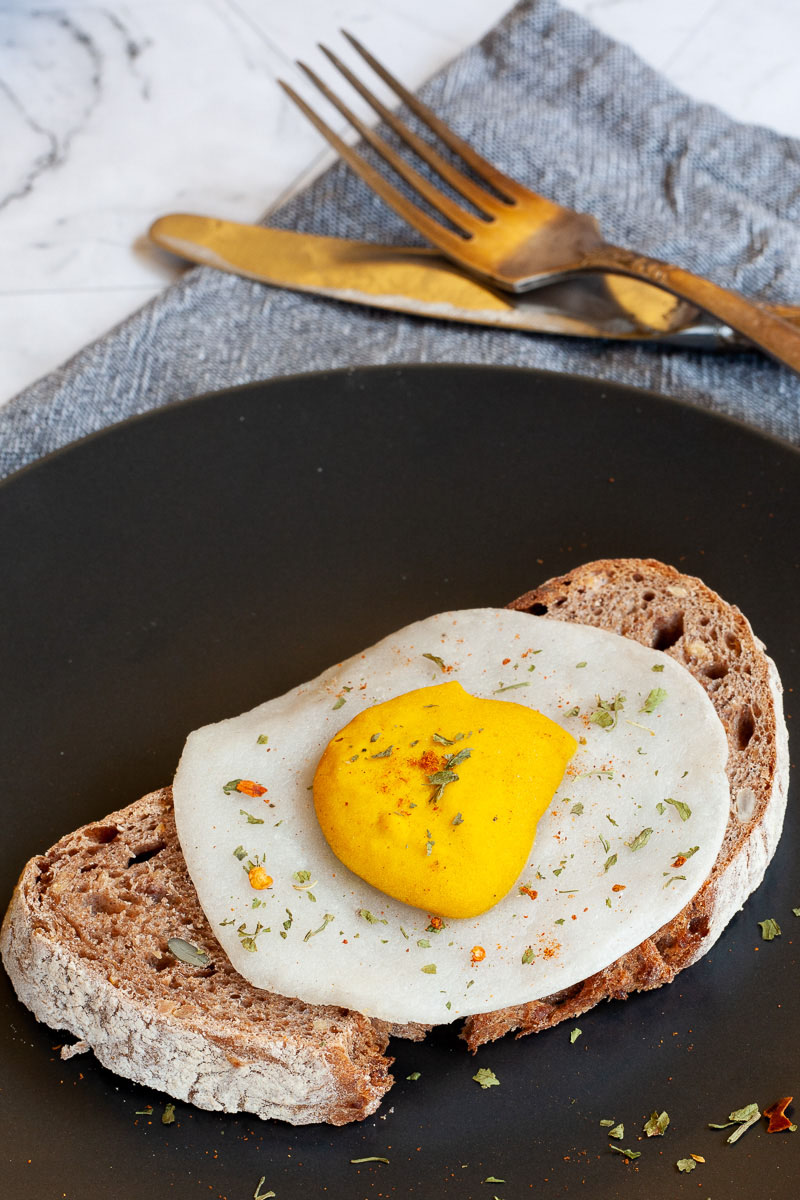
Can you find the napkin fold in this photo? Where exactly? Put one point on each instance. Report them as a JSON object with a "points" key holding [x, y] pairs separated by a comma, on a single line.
{"points": [[569, 112]]}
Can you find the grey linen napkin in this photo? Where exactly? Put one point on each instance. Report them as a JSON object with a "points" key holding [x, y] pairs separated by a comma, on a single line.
{"points": [[573, 114]]}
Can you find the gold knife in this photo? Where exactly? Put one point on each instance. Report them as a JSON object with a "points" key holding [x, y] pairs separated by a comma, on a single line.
{"points": [[419, 281]]}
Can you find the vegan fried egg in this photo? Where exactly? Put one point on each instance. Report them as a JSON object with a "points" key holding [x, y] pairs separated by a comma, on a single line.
{"points": [[632, 831]]}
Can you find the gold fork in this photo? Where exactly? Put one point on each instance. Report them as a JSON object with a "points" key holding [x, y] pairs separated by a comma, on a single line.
{"points": [[514, 237]]}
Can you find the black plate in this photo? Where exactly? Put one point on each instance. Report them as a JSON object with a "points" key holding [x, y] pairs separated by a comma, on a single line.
{"points": [[188, 564]]}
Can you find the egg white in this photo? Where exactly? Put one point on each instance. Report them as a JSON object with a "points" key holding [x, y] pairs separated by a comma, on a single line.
{"points": [[315, 942]]}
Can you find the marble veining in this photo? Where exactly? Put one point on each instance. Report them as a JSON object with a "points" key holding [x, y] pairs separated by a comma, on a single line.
{"points": [[111, 115]]}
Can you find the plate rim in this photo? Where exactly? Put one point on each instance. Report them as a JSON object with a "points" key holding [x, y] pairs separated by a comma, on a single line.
{"points": [[417, 368]]}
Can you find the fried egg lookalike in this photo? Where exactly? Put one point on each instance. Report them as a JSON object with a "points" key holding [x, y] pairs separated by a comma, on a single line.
{"points": [[631, 833], [443, 823]]}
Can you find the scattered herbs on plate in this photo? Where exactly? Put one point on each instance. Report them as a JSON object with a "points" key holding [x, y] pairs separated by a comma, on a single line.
{"points": [[656, 1124], [486, 1078], [629, 1154]]}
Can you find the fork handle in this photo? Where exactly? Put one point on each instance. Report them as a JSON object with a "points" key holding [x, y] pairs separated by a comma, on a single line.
{"points": [[758, 324]]}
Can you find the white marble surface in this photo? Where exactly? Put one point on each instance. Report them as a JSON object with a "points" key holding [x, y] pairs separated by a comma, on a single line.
{"points": [[114, 114]]}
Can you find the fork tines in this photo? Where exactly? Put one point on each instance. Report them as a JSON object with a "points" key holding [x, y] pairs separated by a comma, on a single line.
{"points": [[489, 205]]}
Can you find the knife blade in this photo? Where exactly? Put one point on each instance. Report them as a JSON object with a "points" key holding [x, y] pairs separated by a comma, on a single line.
{"points": [[419, 281]]}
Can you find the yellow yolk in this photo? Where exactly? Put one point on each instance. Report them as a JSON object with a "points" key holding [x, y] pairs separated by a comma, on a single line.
{"points": [[433, 797]]}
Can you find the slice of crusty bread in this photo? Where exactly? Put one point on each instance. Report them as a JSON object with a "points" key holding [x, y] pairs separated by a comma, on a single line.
{"points": [[85, 937], [657, 606], [85, 943]]}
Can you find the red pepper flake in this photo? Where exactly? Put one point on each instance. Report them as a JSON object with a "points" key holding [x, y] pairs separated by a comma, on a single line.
{"points": [[435, 923], [526, 891], [429, 761], [680, 860], [248, 787], [619, 887], [478, 954], [506, 661], [778, 1120]]}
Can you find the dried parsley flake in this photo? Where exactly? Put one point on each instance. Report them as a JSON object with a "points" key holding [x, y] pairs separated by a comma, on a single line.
{"points": [[745, 1123], [629, 1154], [326, 920], [248, 940], [684, 812], [251, 820], [770, 929], [435, 659], [640, 840], [745, 1114], [371, 918], [654, 698], [605, 715], [655, 1125], [486, 1078]]}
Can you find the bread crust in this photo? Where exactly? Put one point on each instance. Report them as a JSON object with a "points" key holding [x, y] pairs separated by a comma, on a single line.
{"points": [[85, 937], [656, 605]]}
